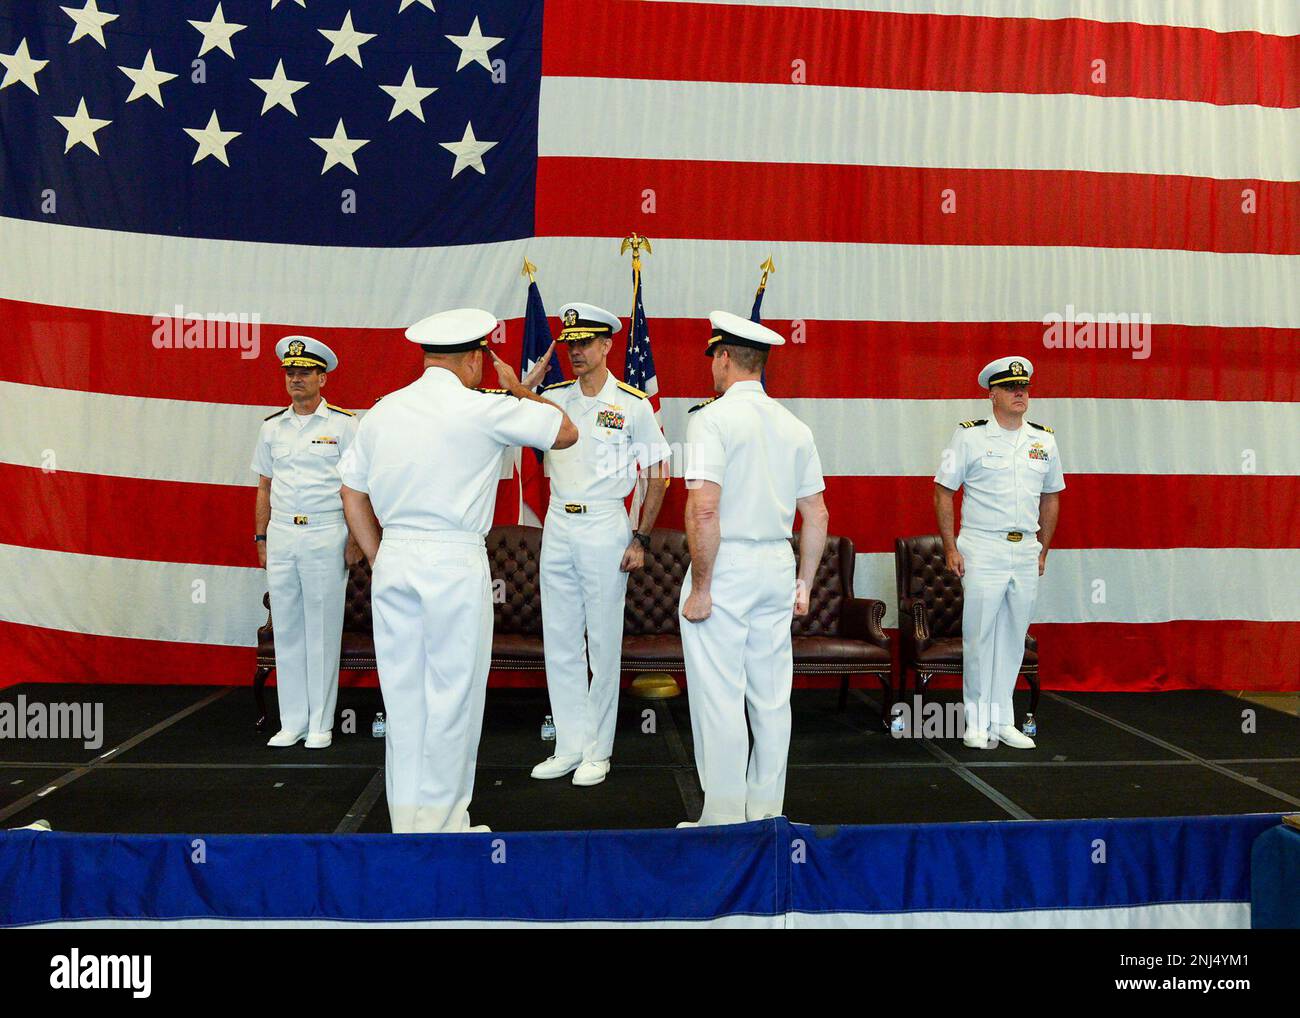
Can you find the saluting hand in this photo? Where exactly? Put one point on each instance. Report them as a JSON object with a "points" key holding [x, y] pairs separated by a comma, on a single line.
{"points": [[698, 607], [505, 373], [538, 371]]}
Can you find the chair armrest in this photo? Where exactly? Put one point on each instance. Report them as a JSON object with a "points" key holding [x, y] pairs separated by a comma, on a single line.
{"points": [[914, 614], [860, 619], [266, 603]]}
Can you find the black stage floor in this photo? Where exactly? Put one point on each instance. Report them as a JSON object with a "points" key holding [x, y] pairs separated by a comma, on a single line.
{"points": [[179, 759]]}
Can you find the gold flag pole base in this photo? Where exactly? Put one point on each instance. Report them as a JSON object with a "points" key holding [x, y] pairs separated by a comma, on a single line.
{"points": [[655, 686]]}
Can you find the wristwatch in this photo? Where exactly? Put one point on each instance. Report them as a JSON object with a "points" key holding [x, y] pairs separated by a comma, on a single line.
{"points": [[259, 537], [642, 539]]}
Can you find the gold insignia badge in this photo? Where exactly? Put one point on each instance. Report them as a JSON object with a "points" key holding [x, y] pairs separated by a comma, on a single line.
{"points": [[1017, 368], [570, 318], [296, 348]]}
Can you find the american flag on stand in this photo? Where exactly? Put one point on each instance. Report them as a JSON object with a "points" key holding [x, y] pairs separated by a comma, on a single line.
{"points": [[639, 362], [937, 179]]}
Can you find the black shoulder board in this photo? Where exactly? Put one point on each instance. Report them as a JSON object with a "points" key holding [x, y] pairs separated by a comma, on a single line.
{"points": [[558, 385], [974, 424], [698, 405], [493, 392], [276, 414], [339, 409], [1042, 427]]}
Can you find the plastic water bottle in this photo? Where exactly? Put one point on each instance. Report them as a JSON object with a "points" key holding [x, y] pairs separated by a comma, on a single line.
{"points": [[548, 729], [897, 727], [379, 727], [1030, 727]]}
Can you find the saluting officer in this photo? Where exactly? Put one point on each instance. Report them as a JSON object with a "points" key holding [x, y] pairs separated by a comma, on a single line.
{"points": [[303, 542], [750, 463], [425, 466], [1012, 476], [589, 545]]}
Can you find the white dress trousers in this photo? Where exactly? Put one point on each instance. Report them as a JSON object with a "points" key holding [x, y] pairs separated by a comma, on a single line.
{"points": [[583, 591], [998, 591], [432, 606], [740, 657], [308, 581]]}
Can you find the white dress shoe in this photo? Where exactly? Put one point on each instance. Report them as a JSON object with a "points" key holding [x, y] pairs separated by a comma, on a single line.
{"points": [[1014, 737], [319, 740], [35, 825], [591, 772], [284, 738], [975, 739], [557, 766], [479, 829], [687, 823]]}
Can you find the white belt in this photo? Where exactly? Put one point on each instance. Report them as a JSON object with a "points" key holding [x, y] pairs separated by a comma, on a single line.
{"points": [[433, 536], [325, 519], [575, 508]]}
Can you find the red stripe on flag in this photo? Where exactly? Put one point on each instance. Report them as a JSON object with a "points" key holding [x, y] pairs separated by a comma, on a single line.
{"points": [[949, 53], [914, 205], [208, 524], [99, 351]]}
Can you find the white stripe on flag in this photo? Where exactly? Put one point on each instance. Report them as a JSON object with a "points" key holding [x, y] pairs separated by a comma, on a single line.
{"points": [[65, 266], [741, 122]]}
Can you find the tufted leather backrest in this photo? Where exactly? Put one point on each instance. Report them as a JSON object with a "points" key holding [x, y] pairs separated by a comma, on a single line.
{"points": [[652, 592], [921, 573], [514, 554]]}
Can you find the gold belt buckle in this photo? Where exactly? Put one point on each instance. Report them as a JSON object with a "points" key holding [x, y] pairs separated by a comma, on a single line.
{"points": [[300, 521], [1015, 537], [574, 507]]}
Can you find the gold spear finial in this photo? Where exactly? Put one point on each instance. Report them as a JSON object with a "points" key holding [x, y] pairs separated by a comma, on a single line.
{"points": [[767, 266], [530, 270]]}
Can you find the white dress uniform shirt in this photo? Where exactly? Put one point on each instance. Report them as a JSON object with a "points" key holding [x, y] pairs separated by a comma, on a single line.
{"points": [[763, 456], [301, 455], [617, 436], [1003, 472], [429, 455]]}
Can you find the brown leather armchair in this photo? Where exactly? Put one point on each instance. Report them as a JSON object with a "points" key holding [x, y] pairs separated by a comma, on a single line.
{"points": [[929, 618], [840, 635]]}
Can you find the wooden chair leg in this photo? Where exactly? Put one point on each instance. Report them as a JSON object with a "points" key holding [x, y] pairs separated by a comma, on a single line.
{"points": [[844, 692], [259, 694]]}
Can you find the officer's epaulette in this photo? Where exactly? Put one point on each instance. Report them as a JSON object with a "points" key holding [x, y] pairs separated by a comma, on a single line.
{"points": [[974, 424], [1042, 427], [339, 409], [276, 414], [494, 392], [698, 405], [633, 390], [558, 385]]}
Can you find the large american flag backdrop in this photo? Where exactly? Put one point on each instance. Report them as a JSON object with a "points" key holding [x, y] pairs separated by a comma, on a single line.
{"points": [[934, 179]]}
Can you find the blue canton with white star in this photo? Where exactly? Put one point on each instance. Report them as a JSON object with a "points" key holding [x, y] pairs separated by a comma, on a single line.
{"points": [[134, 116]]}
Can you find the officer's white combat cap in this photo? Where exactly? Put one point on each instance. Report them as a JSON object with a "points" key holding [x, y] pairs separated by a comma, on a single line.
{"points": [[737, 331], [586, 321], [305, 352], [1006, 371], [453, 331]]}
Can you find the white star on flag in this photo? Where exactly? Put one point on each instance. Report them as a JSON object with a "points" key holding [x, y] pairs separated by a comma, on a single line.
{"points": [[474, 47], [90, 22], [407, 3], [407, 96], [81, 128], [19, 66], [146, 80], [345, 41], [212, 139], [279, 89], [340, 148], [217, 32], [468, 151], [276, 3]]}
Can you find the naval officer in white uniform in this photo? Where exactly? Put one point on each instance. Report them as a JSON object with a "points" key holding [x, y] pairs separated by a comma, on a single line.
{"points": [[1011, 470], [750, 464], [589, 545], [424, 467], [302, 541]]}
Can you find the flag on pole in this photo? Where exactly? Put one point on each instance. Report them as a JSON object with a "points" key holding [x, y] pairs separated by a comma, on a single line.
{"points": [[756, 314], [533, 486], [639, 364]]}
